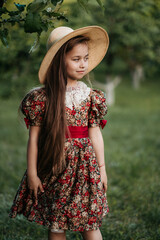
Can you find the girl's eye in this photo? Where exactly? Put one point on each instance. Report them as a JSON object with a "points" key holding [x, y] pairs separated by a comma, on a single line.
{"points": [[76, 59]]}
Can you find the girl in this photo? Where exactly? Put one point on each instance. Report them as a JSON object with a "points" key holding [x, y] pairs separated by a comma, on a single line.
{"points": [[65, 184]]}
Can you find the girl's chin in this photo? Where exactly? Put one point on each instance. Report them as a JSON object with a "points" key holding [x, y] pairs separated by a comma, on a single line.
{"points": [[77, 77], [80, 76]]}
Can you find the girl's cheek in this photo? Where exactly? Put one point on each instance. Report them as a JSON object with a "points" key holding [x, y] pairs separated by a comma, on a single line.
{"points": [[75, 64], [86, 65], [72, 63]]}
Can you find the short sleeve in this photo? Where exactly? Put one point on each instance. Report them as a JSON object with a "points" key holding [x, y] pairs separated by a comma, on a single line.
{"points": [[98, 109], [33, 107]]}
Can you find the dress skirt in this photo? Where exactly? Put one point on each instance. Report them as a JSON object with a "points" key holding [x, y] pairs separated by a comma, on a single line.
{"points": [[74, 200]]}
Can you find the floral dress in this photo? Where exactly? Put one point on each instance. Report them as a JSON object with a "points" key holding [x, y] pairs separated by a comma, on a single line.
{"points": [[75, 199]]}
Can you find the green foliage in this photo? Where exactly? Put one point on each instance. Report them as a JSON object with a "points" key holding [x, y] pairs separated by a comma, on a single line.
{"points": [[101, 5], [35, 17], [57, 15], [134, 29], [3, 10], [36, 6], [19, 68], [86, 5], [132, 152], [34, 23], [83, 4], [3, 36], [20, 7], [55, 2]]}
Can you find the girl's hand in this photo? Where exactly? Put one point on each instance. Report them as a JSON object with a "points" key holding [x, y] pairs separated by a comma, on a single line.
{"points": [[34, 183], [103, 178]]}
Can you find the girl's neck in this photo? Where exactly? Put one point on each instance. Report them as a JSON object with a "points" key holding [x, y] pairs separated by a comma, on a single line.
{"points": [[71, 87], [72, 83]]}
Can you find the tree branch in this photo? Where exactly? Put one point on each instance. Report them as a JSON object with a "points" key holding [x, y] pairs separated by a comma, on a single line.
{"points": [[1, 3]]}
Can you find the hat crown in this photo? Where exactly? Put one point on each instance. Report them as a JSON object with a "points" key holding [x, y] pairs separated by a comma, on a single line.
{"points": [[57, 34]]}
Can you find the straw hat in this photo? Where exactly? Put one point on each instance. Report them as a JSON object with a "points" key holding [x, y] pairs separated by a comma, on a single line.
{"points": [[98, 46]]}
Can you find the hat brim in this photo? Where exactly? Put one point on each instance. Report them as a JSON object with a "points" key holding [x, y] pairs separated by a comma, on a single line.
{"points": [[98, 45]]}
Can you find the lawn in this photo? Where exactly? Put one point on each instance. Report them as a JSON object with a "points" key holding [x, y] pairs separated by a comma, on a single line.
{"points": [[132, 155]]}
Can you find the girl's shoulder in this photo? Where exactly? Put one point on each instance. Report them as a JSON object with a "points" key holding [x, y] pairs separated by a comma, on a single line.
{"points": [[37, 94], [33, 106], [98, 108], [96, 95]]}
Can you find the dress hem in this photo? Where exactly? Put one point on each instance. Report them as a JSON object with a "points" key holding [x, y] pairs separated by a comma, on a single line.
{"points": [[49, 226]]}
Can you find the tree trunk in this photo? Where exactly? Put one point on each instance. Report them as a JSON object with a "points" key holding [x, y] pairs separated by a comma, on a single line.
{"points": [[137, 76], [109, 88]]}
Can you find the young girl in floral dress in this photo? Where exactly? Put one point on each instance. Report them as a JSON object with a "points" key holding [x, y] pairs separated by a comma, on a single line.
{"points": [[65, 183]]}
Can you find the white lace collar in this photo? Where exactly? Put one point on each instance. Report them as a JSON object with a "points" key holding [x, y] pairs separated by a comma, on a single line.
{"points": [[75, 95]]}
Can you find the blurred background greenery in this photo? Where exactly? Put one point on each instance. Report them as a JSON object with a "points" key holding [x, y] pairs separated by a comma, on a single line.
{"points": [[132, 133]]}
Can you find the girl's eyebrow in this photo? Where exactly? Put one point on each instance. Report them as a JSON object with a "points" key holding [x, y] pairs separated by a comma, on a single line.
{"points": [[80, 56]]}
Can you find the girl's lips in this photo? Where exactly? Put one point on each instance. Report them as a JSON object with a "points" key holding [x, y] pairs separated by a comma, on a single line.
{"points": [[80, 71]]}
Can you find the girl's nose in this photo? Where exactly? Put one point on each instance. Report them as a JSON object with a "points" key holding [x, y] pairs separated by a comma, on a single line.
{"points": [[82, 63]]}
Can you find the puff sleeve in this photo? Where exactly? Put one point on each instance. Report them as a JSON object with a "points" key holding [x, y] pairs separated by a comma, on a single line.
{"points": [[98, 109], [33, 107]]}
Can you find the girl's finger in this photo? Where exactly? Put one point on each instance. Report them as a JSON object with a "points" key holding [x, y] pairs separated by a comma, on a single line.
{"points": [[41, 187], [30, 191], [35, 195]]}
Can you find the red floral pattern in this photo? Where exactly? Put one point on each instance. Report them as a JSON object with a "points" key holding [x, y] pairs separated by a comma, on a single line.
{"points": [[75, 199]]}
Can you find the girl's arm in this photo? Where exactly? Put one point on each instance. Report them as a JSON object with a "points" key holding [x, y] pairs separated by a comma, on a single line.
{"points": [[32, 152], [97, 140]]}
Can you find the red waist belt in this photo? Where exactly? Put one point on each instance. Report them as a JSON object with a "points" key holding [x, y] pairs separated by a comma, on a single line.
{"points": [[77, 132]]}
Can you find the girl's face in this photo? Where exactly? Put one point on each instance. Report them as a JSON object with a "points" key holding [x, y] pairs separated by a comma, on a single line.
{"points": [[77, 62]]}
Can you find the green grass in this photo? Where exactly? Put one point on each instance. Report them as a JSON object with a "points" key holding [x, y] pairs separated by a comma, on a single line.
{"points": [[132, 154]]}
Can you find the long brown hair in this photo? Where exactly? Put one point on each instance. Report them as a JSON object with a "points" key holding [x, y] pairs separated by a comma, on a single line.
{"points": [[52, 134]]}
